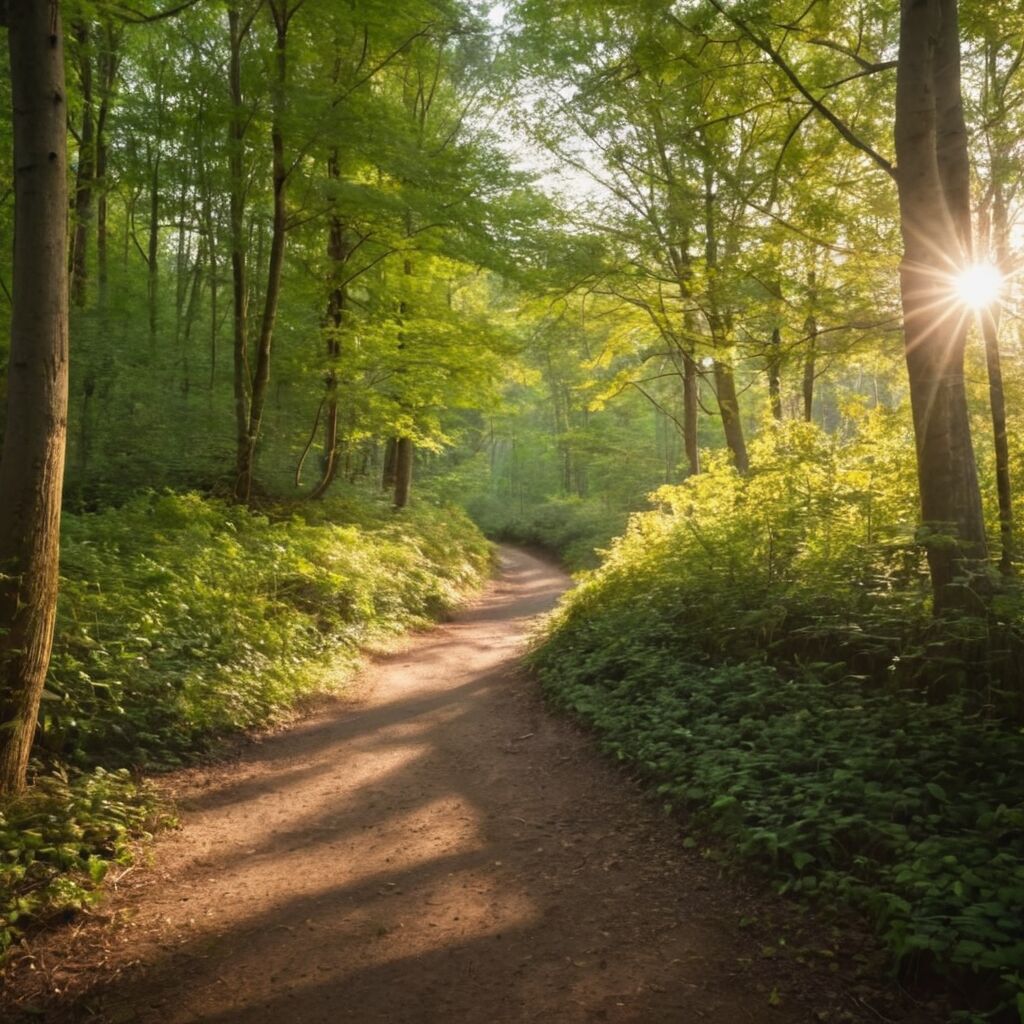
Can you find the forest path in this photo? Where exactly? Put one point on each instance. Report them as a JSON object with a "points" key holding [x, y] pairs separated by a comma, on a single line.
{"points": [[439, 848]]}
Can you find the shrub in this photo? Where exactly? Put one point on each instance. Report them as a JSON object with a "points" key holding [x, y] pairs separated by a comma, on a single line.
{"points": [[760, 650]]}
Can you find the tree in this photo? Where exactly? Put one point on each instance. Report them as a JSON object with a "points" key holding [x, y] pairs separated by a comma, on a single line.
{"points": [[32, 463], [932, 175], [933, 179]]}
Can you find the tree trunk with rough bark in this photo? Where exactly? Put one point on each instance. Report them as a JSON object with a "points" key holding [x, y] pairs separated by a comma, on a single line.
{"points": [[729, 407], [933, 178], [32, 464], [691, 406], [725, 381]]}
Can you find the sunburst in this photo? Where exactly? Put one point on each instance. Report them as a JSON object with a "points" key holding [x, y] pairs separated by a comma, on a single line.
{"points": [[979, 285]]}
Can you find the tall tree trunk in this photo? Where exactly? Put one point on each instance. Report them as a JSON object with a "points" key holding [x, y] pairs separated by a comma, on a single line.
{"points": [[86, 173], [275, 266], [729, 407], [996, 234], [239, 281], [933, 181], [774, 366], [153, 253], [403, 445], [725, 382], [403, 471], [691, 406], [811, 351], [107, 63], [997, 396], [337, 300], [32, 464]]}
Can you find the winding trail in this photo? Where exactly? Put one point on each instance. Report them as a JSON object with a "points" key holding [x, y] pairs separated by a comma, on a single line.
{"points": [[439, 848]]}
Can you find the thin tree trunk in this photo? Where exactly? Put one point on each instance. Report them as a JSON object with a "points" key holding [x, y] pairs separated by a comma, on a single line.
{"points": [[774, 374], [85, 175], [1000, 437], [1002, 168], [403, 445], [336, 302], [811, 352], [153, 254], [725, 382], [107, 63], [32, 464], [933, 182], [239, 282], [729, 407], [997, 397], [691, 406], [261, 377], [403, 471]]}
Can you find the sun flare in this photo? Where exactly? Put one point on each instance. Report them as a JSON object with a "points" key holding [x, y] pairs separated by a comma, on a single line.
{"points": [[979, 285]]}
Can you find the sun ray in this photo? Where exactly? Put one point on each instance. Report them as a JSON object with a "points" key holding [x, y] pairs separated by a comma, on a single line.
{"points": [[979, 285]]}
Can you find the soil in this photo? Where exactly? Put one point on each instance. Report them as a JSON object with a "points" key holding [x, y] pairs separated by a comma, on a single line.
{"points": [[436, 846]]}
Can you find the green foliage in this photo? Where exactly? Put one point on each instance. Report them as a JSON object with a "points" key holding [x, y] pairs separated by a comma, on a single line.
{"points": [[906, 811], [58, 841], [575, 529], [758, 649], [182, 618]]}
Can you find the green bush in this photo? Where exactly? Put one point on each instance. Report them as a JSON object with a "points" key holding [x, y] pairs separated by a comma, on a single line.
{"points": [[58, 841], [574, 529], [760, 650], [182, 617]]}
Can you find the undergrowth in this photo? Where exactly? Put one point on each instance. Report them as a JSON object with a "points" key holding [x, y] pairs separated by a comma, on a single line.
{"points": [[574, 529], [59, 840], [181, 619], [760, 651]]}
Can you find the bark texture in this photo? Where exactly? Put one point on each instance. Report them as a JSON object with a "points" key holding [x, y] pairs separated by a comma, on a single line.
{"points": [[32, 464], [933, 180]]}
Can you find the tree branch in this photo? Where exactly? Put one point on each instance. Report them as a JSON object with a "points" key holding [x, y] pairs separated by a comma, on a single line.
{"points": [[137, 17], [779, 61]]}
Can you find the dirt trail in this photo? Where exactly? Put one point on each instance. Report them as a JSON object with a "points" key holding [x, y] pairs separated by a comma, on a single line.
{"points": [[439, 849]]}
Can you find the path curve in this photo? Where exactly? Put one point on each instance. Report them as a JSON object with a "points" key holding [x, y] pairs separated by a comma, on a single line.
{"points": [[438, 849]]}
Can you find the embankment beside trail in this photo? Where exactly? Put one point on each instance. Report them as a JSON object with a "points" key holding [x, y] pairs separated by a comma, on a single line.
{"points": [[182, 619]]}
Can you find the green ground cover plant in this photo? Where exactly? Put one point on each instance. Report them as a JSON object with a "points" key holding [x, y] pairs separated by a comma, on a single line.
{"points": [[183, 618], [574, 529], [757, 650]]}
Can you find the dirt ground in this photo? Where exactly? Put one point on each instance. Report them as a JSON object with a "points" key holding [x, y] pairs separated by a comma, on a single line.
{"points": [[434, 847]]}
